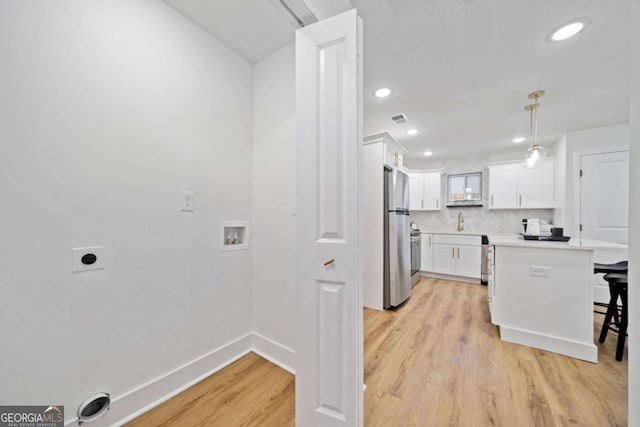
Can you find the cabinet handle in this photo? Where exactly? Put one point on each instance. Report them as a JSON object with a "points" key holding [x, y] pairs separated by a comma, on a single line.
{"points": [[520, 199], [329, 262], [422, 203], [437, 203], [458, 253], [429, 240], [453, 252], [492, 200]]}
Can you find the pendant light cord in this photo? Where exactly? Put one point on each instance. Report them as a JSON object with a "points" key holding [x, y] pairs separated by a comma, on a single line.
{"points": [[531, 127], [535, 122]]}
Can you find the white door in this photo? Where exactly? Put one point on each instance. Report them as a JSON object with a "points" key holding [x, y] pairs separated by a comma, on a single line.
{"points": [[329, 367], [535, 186], [426, 252], [604, 196], [416, 191], [468, 261], [432, 190], [444, 260], [503, 187]]}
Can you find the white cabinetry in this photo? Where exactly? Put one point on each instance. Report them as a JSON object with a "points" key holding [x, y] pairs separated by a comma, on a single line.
{"points": [[393, 155], [444, 260], [426, 252], [468, 260], [457, 255], [491, 285], [425, 190], [512, 186], [503, 187], [416, 191]]}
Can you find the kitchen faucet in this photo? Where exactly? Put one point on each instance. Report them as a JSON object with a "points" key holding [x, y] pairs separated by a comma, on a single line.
{"points": [[460, 222]]}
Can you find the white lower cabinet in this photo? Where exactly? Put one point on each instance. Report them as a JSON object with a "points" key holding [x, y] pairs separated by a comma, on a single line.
{"points": [[426, 252], [456, 255], [468, 261], [444, 260]]}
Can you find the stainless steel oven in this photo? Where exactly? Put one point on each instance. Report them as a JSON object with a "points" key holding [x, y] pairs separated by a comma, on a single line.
{"points": [[415, 257], [484, 278]]}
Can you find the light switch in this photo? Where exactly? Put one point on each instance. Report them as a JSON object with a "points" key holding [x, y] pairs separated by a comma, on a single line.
{"points": [[539, 271], [187, 201], [85, 259]]}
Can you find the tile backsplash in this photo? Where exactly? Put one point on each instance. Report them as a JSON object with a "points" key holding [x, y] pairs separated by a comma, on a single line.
{"points": [[476, 219]]}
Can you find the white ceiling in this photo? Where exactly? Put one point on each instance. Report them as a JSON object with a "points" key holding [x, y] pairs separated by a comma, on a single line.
{"points": [[253, 28], [461, 73]]}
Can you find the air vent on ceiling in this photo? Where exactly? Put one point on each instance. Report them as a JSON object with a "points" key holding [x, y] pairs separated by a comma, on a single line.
{"points": [[399, 119]]}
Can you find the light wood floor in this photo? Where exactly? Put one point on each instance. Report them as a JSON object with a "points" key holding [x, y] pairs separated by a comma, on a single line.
{"points": [[436, 361], [249, 392]]}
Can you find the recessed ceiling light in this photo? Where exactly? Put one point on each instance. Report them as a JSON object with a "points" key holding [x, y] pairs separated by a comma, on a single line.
{"points": [[519, 139], [428, 153], [412, 132], [383, 92], [568, 30]]}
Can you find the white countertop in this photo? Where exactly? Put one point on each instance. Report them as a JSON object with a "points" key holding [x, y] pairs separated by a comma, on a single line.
{"points": [[577, 244], [459, 233], [514, 239]]}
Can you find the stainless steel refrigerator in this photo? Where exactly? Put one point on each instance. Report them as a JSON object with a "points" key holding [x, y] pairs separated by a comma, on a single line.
{"points": [[397, 241]]}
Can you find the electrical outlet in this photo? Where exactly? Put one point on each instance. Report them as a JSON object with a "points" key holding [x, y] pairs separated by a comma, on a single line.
{"points": [[84, 259], [538, 271], [187, 201]]}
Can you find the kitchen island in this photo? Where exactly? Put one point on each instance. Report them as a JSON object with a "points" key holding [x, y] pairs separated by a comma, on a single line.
{"points": [[541, 294]]}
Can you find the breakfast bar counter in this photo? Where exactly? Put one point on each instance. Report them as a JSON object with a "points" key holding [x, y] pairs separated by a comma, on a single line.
{"points": [[541, 294]]}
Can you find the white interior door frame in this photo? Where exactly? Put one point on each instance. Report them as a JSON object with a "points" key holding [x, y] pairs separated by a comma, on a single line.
{"points": [[329, 304], [577, 194]]}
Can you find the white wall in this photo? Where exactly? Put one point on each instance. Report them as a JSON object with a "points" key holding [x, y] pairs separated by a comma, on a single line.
{"points": [[109, 110], [273, 205], [560, 153], [585, 141], [634, 226]]}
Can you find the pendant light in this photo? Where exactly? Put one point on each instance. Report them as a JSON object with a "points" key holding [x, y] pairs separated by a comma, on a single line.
{"points": [[536, 153]]}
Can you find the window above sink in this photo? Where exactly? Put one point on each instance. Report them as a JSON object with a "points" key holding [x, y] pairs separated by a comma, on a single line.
{"points": [[464, 189]]}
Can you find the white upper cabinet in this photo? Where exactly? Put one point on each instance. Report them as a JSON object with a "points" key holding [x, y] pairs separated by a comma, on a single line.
{"points": [[416, 191], [503, 189], [393, 155], [512, 186], [535, 186], [425, 189], [432, 191]]}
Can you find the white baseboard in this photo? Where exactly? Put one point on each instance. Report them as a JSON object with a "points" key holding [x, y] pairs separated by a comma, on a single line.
{"points": [[274, 352], [579, 350], [134, 403], [432, 275]]}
